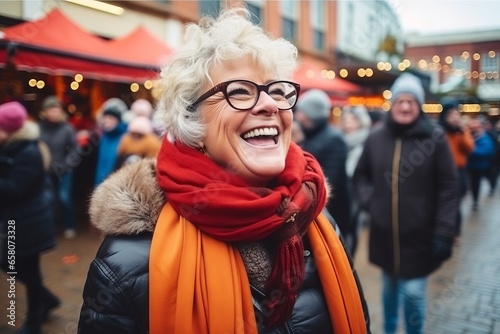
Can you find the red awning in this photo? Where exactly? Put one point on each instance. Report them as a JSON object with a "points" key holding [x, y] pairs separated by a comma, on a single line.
{"points": [[56, 45], [142, 47], [310, 76]]}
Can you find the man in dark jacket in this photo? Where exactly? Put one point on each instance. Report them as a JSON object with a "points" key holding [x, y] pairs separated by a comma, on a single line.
{"points": [[328, 146], [407, 181], [60, 137]]}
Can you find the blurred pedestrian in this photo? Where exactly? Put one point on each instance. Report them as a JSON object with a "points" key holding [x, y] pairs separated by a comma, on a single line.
{"points": [[138, 142], [480, 159], [356, 125], [493, 130], [140, 107], [407, 181], [461, 145], [111, 131], [328, 146], [26, 215], [60, 137], [223, 232]]}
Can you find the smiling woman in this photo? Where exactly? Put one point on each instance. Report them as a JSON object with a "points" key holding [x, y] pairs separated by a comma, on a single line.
{"points": [[224, 231]]}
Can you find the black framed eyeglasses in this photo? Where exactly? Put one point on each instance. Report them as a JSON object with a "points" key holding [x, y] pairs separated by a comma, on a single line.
{"points": [[244, 94]]}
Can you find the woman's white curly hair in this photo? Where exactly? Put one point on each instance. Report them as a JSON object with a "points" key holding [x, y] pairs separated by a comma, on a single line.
{"points": [[230, 36]]}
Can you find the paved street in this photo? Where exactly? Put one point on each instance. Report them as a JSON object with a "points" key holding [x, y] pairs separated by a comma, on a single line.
{"points": [[464, 294]]}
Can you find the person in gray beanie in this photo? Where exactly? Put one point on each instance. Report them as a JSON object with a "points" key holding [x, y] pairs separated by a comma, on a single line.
{"points": [[406, 180], [407, 83], [328, 146], [315, 104]]}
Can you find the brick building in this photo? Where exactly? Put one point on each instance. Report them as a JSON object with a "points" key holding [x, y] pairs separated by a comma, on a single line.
{"points": [[340, 43], [463, 64]]}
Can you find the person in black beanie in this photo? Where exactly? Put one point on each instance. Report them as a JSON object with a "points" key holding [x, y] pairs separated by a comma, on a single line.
{"points": [[407, 182], [461, 144], [112, 129]]}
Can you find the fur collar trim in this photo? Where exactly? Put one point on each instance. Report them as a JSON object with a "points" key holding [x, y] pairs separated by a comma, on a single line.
{"points": [[29, 131], [129, 201]]}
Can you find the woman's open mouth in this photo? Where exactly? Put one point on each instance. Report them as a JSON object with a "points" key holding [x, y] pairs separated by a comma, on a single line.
{"points": [[261, 136]]}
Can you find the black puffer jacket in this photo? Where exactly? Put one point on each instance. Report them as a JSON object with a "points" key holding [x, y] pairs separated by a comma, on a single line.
{"points": [[115, 297], [24, 196]]}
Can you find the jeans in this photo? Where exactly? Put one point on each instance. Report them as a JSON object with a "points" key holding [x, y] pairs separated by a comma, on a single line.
{"points": [[63, 190], [412, 292]]}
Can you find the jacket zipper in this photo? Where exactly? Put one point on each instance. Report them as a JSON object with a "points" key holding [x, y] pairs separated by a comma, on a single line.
{"points": [[287, 328], [395, 205]]}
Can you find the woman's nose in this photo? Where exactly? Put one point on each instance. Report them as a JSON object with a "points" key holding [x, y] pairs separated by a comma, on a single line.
{"points": [[265, 105]]}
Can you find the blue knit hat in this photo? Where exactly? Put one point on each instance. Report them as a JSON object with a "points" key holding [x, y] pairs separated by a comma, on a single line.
{"points": [[409, 84]]}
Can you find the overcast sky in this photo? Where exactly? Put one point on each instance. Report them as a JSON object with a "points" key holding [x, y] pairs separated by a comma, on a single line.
{"points": [[431, 16]]}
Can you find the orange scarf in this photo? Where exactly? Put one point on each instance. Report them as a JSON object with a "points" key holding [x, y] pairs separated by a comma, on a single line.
{"points": [[198, 284]]}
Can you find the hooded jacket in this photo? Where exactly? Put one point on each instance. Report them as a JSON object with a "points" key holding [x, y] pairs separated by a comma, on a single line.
{"points": [[408, 183], [126, 209]]}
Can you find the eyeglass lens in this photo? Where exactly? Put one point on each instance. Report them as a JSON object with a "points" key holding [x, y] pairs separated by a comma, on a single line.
{"points": [[244, 94]]}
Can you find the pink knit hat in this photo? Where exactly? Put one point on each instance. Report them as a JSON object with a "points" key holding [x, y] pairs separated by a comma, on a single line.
{"points": [[12, 116], [140, 124]]}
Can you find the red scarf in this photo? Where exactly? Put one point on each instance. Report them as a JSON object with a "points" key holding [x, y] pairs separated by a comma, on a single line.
{"points": [[227, 208]]}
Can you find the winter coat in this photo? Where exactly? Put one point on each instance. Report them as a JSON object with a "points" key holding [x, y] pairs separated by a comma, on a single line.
{"points": [[24, 194], [61, 139], [327, 145], [147, 146], [120, 272], [461, 145], [107, 153], [481, 157], [409, 186]]}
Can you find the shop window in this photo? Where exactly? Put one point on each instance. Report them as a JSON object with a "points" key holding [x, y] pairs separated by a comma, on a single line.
{"points": [[461, 66], [319, 40], [318, 11], [289, 13], [490, 66]]}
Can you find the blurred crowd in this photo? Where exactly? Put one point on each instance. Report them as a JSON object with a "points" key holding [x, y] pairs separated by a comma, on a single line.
{"points": [[48, 164], [474, 143], [370, 159]]}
